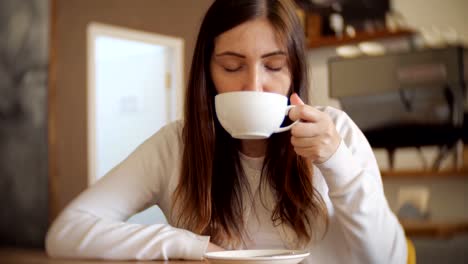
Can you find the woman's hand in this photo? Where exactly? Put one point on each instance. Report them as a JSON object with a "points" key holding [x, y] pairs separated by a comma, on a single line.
{"points": [[315, 136], [213, 247]]}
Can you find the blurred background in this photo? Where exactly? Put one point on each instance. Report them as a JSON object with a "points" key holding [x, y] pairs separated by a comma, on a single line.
{"points": [[83, 82]]}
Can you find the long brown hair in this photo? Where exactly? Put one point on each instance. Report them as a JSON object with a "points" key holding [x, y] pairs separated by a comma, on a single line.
{"points": [[209, 194]]}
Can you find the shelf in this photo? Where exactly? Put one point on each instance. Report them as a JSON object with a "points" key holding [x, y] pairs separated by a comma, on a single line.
{"points": [[430, 229], [421, 174], [330, 41]]}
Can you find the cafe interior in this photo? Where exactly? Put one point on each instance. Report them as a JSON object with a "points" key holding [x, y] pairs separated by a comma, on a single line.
{"points": [[398, 68]]}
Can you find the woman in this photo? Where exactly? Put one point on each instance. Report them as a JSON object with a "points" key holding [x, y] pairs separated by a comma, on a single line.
{"points": [[316, 187]]}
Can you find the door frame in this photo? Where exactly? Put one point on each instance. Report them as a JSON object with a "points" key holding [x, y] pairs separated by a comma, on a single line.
{"points": [[95, 29]]}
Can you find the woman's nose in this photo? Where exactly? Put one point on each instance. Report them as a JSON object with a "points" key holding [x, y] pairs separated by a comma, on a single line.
{"points": [[253, 81]]}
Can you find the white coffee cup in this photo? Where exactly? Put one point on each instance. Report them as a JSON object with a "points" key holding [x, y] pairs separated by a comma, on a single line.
{"points": [[251, 114]]}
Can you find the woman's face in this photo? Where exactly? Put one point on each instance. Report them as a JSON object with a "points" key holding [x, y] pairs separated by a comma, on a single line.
{"points": [[249, 57]]}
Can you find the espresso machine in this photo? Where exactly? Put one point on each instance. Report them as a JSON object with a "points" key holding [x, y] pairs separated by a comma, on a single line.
{"points": [[407, 99]]}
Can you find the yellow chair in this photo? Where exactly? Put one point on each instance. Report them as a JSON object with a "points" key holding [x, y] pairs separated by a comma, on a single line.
{"points": [[411, 252]]}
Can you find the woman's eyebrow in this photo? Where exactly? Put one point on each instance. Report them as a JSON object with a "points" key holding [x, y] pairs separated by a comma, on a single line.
{"points": [[274, 53], [230, 53], [235, 54]]}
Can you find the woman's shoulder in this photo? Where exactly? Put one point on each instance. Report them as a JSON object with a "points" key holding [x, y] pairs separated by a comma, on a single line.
{"points": [[172, 129], [168, 137]]}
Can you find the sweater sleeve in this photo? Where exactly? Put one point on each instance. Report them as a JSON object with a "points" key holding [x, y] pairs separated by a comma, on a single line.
{"points": [[372, 232], [93, 224]]}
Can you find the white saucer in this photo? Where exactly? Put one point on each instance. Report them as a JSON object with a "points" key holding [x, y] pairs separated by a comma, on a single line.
{"points": [[264, 256]]}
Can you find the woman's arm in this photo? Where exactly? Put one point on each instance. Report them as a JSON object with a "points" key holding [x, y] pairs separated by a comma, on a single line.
{"points": [[371, 230], [333, 142], [93, 225]]}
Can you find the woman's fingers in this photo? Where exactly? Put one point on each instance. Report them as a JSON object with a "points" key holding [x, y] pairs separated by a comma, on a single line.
{"points": [[311, 153], [304, 130], [304, 142], [315, 136], [305, 113]]}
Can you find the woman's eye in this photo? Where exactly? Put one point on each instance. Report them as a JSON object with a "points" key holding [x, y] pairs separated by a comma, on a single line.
{"points": [[270, 68], [231, 69]]}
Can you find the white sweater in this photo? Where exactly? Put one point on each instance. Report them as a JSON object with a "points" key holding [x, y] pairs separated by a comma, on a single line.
{"points": [[362, 228]]}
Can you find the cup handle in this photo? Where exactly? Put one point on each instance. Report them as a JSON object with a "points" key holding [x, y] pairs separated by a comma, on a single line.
{"points": [[282, 129]]}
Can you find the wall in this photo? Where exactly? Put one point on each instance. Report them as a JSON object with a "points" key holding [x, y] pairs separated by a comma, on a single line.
{"points": [[421, 14], [23, 135], [178, 18]]}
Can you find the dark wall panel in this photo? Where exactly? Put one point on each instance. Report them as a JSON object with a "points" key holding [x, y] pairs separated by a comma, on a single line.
{"points": [[23, 115]]}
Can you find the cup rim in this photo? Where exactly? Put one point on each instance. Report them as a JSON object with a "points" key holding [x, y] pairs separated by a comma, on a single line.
{"points": [[250, 92]]}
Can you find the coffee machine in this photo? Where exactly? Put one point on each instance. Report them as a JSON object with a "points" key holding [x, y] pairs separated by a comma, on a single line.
{"points": [[406, 99]]}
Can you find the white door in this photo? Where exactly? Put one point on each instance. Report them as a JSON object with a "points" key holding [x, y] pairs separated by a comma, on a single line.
{"points": [[134, 80]]}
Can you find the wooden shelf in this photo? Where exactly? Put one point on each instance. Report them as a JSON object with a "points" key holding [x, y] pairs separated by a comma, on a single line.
{"points": [[432, 229], [330, 41], [421, 174]]}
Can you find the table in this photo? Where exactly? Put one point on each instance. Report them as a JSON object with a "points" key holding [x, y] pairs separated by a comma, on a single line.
{"points": [[37, 256]]}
